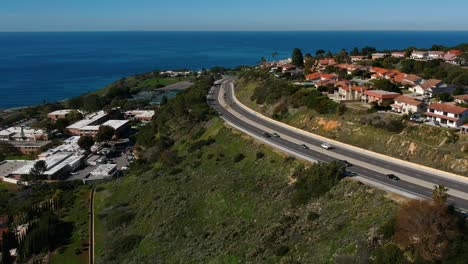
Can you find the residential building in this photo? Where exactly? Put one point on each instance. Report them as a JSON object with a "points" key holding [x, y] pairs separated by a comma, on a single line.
{"points": [[358, 58], [350, 93], [379, 96], [447, 114], [423, 86], [326, 62], [464, 128], [379, 55], [59, 114], [461, 99], [410, 80], [419, 55], [398, 54], [408, 105], [435, 55]]}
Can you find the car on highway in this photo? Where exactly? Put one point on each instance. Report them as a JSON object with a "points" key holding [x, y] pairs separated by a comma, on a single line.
{"points": [[393, 177], [326, 145], [276, 135], [346, 163], [304, 146], [267, 135]]}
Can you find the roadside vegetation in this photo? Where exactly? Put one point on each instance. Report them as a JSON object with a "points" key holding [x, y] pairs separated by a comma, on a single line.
{"points": [[203, 193], [308, 109]]}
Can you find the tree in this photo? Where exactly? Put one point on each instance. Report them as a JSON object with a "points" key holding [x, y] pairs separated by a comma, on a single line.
{"points": [[355, 52], [105, 133], [37, 172], [297, 58], [439, 194], [445, 97], [459, 90], [92, 102], [86, 142], [319, 52], [426, 228], [163, 100], [74, 116]]}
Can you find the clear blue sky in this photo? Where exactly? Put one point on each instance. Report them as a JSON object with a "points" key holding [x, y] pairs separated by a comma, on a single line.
{"points": [[101, 15]]}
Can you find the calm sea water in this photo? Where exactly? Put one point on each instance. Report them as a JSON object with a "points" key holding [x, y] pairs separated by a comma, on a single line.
{"points": [[37, 67]]}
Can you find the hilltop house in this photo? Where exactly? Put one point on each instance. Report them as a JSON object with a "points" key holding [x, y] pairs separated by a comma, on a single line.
{"points": [[432, 88], [350, 93], [435, 55], [379, 96], [447, 114], [398, 54], [461, 99], [408, 105], [419, 55]]}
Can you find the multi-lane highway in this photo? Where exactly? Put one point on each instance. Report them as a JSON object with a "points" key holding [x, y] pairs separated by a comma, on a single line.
{"points": [[413, 182]]}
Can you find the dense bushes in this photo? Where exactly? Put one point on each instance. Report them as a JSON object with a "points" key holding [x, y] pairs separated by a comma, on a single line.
{"points": [[385, 122], [315, 180]]}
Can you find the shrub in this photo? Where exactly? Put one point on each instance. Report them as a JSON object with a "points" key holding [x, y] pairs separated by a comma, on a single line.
{"points": [[281, 250], [239, 157], [118, 217], [315, 181], [123, 245], [259, 155]]}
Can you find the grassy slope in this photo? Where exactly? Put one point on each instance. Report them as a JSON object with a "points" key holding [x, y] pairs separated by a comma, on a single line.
{"points": [[421, 144], [214, 210], [78, 215]]}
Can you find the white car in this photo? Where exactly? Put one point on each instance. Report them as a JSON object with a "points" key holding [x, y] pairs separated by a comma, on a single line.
{"points": [[326, 145]]}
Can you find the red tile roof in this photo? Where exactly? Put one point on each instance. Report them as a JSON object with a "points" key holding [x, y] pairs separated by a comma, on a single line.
{"points": [[313, 76], [408, 100], [430, 83], [360, 88], [381, 94], [463, 97], [455, 52], [328, 76], [448, 108]]}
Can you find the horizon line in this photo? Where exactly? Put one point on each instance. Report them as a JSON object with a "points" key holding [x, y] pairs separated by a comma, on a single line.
{"points": [[241, 30]]}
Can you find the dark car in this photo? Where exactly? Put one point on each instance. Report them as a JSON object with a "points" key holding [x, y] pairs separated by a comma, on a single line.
{"points": [[267, 135], [276, 135], [304, 146], [393, 177], [346, 163]]}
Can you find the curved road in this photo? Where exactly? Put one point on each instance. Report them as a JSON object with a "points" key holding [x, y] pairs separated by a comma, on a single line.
{"points": [[416, 183]]}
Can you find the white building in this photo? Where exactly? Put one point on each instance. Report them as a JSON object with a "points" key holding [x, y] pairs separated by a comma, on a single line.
{"points": [[408, 105], [419, 55], [23, 134], [447, 114]]}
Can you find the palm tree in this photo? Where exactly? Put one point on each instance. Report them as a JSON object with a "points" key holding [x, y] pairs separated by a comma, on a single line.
{"points": [[439, 194]]}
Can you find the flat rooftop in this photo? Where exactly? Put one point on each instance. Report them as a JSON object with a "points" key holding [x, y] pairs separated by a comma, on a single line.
{"points": [[61, 112], [89, 119], [7, 167], [116, 124]]}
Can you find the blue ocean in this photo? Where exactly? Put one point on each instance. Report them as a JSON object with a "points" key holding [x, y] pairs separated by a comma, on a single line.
{"points": [[38, 67]]}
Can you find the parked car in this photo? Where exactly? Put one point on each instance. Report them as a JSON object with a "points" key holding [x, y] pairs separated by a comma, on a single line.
{"points": [[326, 145], [393, 177]]}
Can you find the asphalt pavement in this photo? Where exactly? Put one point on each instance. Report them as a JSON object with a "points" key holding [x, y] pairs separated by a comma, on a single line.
{"points": [[414, 182]]}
